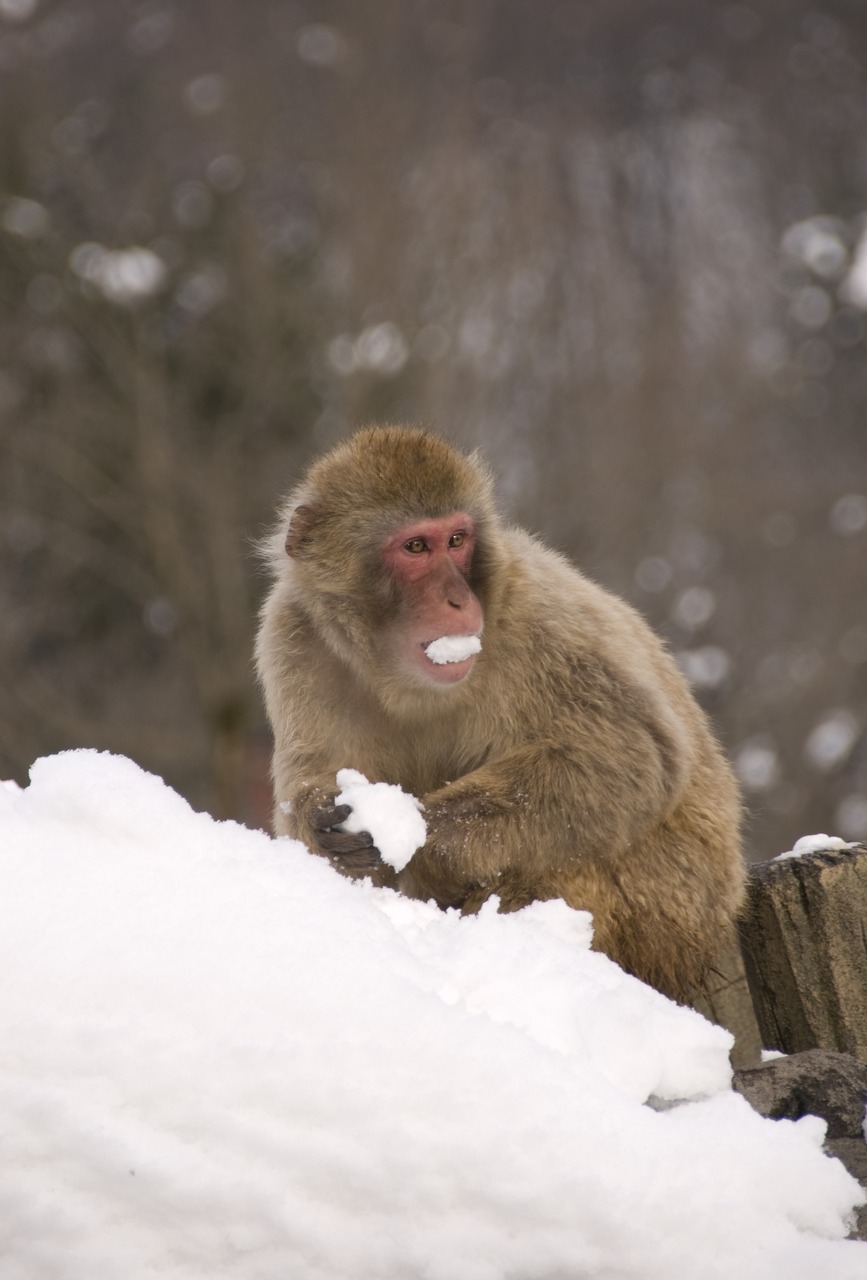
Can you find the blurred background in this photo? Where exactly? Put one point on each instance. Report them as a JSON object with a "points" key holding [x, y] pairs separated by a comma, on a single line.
{"points": [[619, 244]]}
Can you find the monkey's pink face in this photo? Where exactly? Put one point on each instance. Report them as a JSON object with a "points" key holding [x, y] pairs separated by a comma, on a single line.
{"points": [[437, 637]]}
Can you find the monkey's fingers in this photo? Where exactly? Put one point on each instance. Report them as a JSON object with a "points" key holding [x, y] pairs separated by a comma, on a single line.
{"points": [[369, 859], [329, 815], [350, 850], [344, 842]]}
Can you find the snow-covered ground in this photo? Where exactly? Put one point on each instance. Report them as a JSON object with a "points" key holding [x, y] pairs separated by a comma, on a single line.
{"points": [[221, 1059]]}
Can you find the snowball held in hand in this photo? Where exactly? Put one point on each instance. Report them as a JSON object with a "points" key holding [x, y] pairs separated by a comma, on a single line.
{"points": [[390, 814]]}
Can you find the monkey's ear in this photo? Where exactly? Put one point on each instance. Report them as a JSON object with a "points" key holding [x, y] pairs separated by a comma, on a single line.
{"points": [[301, 524]]}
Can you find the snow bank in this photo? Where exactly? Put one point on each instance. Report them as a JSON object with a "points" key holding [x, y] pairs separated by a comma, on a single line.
{"points": [[387, 812], [222, 1059]]}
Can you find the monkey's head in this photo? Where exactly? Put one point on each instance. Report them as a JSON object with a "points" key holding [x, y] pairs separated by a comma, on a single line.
{"points": [[390, 539]]}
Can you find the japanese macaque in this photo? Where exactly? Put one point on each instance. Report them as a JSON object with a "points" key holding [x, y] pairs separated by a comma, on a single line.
{"points": [[555, 746]]}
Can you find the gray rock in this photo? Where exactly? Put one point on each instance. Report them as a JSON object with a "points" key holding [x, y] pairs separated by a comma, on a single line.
{"points": [[818, 1083], [815, 1082]]}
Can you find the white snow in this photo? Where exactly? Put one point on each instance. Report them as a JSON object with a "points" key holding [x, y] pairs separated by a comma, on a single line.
{"points": [[814, 844], [123, 276], [221, 1059], [820, 243], [854, 287], [392, 817], [830, 743], [453, 649]]}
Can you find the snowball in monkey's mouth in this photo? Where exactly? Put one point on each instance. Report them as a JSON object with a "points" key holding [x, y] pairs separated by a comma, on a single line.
{"points": [[453, 649]]}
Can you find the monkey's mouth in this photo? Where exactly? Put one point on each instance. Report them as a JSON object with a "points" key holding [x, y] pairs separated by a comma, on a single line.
{"points": [[449, 649]]}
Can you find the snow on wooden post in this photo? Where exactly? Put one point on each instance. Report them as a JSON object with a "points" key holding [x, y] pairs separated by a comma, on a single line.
{"points": [[804, 937]]}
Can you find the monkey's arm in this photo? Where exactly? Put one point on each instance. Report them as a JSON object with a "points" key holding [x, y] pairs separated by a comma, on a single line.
{"points": [[531, 812]]}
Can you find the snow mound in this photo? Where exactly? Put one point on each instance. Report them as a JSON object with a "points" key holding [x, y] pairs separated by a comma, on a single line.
{"points": [[222, 1059], [391, 816]]}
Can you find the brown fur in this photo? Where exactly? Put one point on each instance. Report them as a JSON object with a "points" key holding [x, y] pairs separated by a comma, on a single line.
{"points": [[572, 762]]}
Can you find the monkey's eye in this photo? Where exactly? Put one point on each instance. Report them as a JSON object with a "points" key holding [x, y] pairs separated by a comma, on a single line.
{"points": [[416, 546], [457, 539]]}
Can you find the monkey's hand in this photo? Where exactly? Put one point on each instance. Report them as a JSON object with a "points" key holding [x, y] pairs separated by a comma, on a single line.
{"points": [[352, 850]]}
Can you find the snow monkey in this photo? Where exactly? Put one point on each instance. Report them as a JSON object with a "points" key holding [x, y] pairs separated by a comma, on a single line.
{"points": [[554, 744]]}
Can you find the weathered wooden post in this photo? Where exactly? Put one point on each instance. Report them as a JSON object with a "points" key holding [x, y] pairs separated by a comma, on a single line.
{"points": [[727, 1001], [804, 938]]}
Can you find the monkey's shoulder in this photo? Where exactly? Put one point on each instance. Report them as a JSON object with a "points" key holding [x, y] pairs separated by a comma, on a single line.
{"points": [[572, 641], [548, 597]]}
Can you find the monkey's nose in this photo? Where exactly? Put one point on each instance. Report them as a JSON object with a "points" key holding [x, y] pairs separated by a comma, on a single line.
{"points": [[458, 594]]}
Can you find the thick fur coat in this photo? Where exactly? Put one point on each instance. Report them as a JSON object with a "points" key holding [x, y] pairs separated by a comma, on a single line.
{"points": [[572, 762]]}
